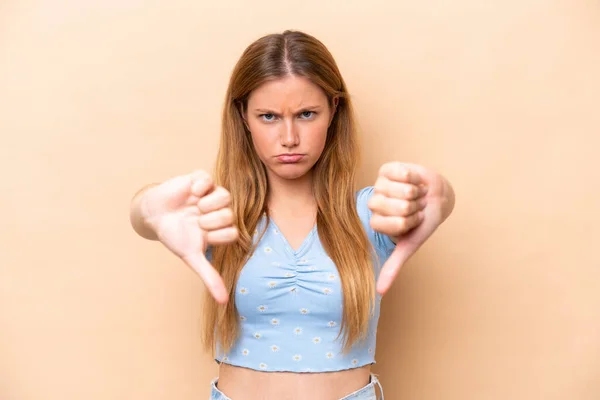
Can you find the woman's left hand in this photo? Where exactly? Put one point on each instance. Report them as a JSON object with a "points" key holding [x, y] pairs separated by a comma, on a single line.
{"points": [[408, 204]]}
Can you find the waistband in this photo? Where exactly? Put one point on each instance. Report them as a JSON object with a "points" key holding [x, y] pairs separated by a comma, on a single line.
{"points": [[368, 392]]}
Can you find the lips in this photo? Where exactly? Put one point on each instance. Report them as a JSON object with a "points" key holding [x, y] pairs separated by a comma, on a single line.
{"points": [[290, 158]]}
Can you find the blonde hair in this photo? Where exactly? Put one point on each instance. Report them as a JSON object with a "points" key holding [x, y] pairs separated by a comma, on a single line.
{"points": [[239, 169]]}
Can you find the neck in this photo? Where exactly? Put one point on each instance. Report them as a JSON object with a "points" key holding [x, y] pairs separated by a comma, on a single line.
{"points": [[291, 196]]}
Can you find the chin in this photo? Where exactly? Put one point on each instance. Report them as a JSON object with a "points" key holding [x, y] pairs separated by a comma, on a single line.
{"points": [[293, 173]]}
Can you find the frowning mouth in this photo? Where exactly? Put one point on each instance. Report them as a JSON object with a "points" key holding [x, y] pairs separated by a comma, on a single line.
{"points": [[290, 158]]}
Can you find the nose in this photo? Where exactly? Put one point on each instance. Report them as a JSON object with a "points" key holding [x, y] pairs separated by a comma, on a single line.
{"points": [[289, 135]]}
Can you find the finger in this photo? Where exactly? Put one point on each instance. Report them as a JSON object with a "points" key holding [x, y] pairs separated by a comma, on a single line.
{"points": [[395, 226], [217, 199], [399, 172], [389, 206], [211, 278], [216, 220], [390, 269], [222, 236], [202, 183], [397, 190]]}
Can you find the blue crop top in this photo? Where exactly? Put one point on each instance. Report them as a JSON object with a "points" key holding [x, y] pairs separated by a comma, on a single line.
{"points": [[290, 304]]}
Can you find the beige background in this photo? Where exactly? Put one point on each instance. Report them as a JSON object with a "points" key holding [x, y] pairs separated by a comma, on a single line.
{"points": [[100, 97]]}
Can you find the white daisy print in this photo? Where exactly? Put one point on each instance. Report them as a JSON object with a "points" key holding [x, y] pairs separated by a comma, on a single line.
{"points": [[331, 277], [316, 340], [268, 250], [288, 275], [262, 308], [244, 290], [329, 355], [275, 322], [331, 324], [272, 284], [224, 359], [242, 318], [262, 366], [274, 348], [297, 357], [312, 268], [304, 311], [354, 362], [258, 335], [327, 290], [275, 231], [245, 352], [276, 264], [304, 261], [298, 331], [370, 350]]}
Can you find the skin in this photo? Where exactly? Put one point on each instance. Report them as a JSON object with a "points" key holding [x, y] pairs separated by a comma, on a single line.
{"points": [[289, 115], [284, 116]]}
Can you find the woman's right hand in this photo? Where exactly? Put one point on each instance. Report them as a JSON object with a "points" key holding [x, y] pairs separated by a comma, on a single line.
{"points": [[188, 213]]}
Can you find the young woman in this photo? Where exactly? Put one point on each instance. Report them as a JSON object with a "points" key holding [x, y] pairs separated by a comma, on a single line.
{"points": [[294, 257]]}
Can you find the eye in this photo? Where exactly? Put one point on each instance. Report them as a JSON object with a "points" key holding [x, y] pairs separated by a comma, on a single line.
{"points": [[268, 117], [307, 114]]}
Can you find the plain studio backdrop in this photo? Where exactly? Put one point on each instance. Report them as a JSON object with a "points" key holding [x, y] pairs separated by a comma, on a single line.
{"points": [[98, 98]]}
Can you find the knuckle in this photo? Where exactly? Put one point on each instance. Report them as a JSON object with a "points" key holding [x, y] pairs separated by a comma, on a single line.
{"points": [[202, 205], [203, 221], [401, 224], [384, 168], [404, 207], [202, 175], [380, 185], [375, 222], [371, 204], [224, 194], [376, 201], [399, 170]]}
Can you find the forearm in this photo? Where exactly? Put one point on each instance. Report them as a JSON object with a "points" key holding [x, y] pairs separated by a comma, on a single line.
{"points": [[136, 215]]}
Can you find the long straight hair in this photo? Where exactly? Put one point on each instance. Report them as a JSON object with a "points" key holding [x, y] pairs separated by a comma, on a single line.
{"points": [[239, 170]]}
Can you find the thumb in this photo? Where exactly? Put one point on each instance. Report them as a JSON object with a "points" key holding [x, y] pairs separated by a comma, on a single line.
{"points": [[210, 276], [392, 266], [405, 248]]}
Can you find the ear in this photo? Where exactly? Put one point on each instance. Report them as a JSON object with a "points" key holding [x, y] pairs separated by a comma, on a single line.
{"points": [[244, 115], [334, 104]]}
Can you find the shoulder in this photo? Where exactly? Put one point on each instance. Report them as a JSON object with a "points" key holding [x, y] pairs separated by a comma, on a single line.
{"points": [[362, 197], [382, 243]]}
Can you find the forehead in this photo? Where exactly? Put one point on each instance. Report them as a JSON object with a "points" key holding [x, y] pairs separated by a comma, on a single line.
{"points": [[290, 91]]}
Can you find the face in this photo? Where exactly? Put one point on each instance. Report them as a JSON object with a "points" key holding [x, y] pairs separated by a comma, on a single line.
{"points": [[288, 119]]}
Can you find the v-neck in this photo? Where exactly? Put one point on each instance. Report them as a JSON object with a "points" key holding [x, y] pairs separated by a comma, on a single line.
{"points": [[305, 243]]}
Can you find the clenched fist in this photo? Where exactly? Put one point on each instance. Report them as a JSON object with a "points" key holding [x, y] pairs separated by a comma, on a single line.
{"points": [[188, 213], [408, 204]]}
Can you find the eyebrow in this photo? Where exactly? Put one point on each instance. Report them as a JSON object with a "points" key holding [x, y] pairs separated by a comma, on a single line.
{"points": [[303, 109]]}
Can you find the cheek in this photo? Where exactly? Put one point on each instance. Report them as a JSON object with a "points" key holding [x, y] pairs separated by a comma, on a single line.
{"points": [[262, 138], [316, 135]]}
